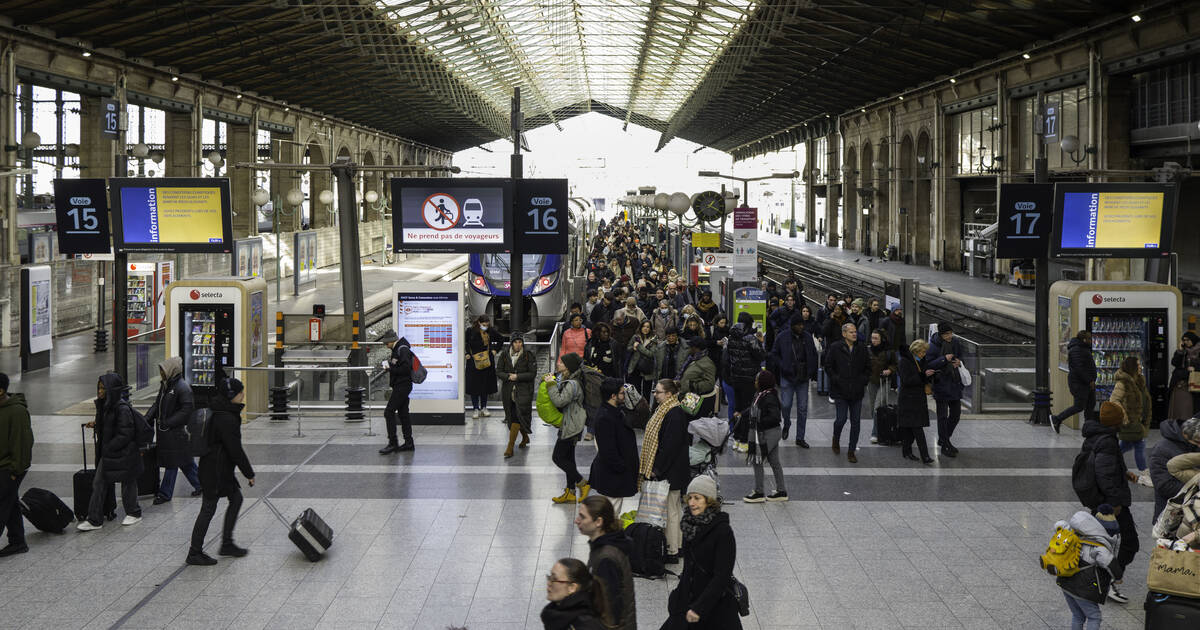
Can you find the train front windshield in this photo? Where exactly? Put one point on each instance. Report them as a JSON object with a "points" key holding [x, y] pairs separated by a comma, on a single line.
{"points": [[496, 269]]}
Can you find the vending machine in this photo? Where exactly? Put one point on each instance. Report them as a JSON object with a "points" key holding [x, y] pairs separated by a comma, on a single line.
{"points": [[145, 292], [1126, 319], [215, 322]]}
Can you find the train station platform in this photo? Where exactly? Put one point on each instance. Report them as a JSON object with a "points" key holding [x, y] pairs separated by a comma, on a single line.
{"points": [[1001, 305], [69, 384]]}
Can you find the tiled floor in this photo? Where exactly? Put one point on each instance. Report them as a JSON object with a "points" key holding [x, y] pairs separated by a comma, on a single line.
{"points": [[454, 534]]}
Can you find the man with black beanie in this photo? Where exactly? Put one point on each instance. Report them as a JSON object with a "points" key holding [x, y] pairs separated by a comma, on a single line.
{"points": [[223, 440], [399, 369]]}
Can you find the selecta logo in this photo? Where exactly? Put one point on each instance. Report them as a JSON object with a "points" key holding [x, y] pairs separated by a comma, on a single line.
{"points": [[1098, 299], [195, 295]]}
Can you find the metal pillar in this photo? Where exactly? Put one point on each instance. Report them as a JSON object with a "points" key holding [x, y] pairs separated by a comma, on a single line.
{"points": [[351, 267], [1041, 289], [516, 279], [120, 316], [101, 343]]}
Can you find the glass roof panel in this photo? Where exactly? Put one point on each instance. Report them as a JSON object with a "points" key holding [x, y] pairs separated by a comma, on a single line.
{"points": [[645, 56]]}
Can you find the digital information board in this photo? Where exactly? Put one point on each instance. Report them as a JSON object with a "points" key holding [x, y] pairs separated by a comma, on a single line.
{"points": [[430, 316], [1113, 220], [457, 215], [172, 215], [81, 209]]}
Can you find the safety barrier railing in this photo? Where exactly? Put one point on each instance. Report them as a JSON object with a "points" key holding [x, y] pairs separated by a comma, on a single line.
{"points": [[281, 413], [148, 349], [1002, 376]]}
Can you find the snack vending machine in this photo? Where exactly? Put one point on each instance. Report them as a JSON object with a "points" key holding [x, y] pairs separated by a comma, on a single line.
{"points": [[145, 293], [219, 322], [1139, 319]]}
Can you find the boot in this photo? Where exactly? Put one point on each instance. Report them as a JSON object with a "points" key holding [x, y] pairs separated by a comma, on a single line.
{"points": [[568, 496], [513, 430], [584, 489], [391, 447], [524, 440]]}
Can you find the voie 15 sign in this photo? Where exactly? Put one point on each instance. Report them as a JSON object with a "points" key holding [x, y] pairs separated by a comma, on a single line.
{"points": [[1025, 216], [541, 216], [462, 215], [81, 210]]}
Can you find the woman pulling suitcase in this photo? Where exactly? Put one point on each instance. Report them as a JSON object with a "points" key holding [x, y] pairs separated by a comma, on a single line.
{"points": [[223, 432]]}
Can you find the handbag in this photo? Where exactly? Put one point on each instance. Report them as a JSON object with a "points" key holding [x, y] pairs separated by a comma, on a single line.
{"points": [[736, 590], [652, 505], [1194, 382], [964, 376], [1174, 572], [483, 360]]}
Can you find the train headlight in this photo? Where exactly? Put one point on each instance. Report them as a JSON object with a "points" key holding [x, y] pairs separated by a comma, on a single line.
{"points": [[544, 283], [480, 284]]}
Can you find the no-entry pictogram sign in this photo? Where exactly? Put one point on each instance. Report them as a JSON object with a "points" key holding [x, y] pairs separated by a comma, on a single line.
{"points": [[440, 211]]}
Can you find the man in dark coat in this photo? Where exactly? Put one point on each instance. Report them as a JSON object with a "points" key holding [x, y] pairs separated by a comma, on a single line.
{"points": [[944, 358], [169, 414], [16, 455], [118, 459], [223, 437], [893, 325], [615, 467], [794, 359], [1112, 481], [1081, 380], [1178, 437], [399, 368], [848, 365]]}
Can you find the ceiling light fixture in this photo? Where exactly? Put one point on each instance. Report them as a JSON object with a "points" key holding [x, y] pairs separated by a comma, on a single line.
{"points": [[175, 79], [86, 53], [1025, 55], [953, 80], [1136, 18], [902, 97], [239, 96]]}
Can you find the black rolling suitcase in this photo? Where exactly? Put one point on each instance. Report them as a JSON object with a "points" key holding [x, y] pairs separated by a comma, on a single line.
{"points": [[886, 417], [148, 481], [1171, 612], [82, 484], [45, 510], [311, 535]]}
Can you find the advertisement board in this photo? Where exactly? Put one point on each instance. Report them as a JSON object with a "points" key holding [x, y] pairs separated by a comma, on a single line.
{"points": [[430, 316], [751, 300], [745, 244], [172, 215], [247, 258], [304, 255], [41, 247], [1113, 220], [81, 210], [461, 215], [40, 291], [256, 325]]}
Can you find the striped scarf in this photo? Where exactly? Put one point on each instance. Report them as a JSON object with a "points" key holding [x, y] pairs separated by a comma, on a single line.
{"points": [[650, 439]]}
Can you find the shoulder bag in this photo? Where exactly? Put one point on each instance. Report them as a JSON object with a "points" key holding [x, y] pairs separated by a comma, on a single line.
{"points": [[483, 360]]}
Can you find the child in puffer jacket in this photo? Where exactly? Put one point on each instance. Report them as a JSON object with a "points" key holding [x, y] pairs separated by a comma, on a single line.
{"points": [[1100, 535]]}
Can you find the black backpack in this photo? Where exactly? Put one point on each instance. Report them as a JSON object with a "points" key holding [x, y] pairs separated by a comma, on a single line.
{"points": [[1083, 479], [197, 432], [649, 549], [143, 430]]}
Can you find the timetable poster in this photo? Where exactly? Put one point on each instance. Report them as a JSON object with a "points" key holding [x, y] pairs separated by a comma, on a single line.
{"points": [[1112, 220], [432, 324], [162, 214]]}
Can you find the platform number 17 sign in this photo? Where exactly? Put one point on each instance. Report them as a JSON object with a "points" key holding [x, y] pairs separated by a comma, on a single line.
{"points": [[1024, 220]]}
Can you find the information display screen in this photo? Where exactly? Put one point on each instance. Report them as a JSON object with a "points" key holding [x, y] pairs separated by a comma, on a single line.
{"points": [[432, 324], [172, 215], [1113, 220], [452, 215]]}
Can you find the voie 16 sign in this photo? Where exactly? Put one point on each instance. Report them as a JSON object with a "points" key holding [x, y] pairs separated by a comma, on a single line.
{"points": [[541, 216], [1025, 216], [81, 210]]}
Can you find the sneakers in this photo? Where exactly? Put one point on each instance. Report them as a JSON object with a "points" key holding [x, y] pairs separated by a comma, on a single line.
{"points": [[588, 437], [475, 414], [801, 443], [14, 549], [584, 489], [230, 549], [568, 496], [1144, 479], [200, 559], [1116, 595], [86, 526], [874, 439], [408, 445], [131, 520], [485, 413], [831, 400], [1056, 422], [778, 496], [754, 497], [851, 458]]}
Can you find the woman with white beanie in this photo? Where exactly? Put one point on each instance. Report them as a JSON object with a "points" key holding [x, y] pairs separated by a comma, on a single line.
{"points": [[703, 598]]}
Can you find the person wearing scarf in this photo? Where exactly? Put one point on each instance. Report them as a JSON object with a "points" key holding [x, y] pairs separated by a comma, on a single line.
{"points": [[517, 371], [665, 456], [703, 599]]}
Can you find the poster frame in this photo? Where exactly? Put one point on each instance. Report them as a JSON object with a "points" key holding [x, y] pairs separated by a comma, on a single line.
{"points": [[437, 411]]}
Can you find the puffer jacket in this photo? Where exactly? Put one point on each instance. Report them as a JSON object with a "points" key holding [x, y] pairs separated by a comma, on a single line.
{"points": [[1081, 366], [118, 451], [1130, 392], [169, 415], [1171, 445], [574, 340], [567, 397], [1110, 464], [744, 353]]}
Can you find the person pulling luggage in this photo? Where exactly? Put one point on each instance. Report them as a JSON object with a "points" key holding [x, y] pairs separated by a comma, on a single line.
{"points": [[223, 436], [169, 414], [118, 459], [16, 454]]}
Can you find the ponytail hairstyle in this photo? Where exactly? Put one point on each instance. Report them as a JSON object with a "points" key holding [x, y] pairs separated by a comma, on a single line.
{"points": [[578, 573], [598, 506]]}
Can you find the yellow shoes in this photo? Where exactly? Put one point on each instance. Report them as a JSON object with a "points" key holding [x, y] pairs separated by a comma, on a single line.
{"points": [[568, 496], [584, 489]]}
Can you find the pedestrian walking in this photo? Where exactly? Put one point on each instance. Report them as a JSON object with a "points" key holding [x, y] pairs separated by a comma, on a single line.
{"points": [[763, 416], [517, 371], [566, 394], [1081, 380], [848, 365], [480, 379], [912, 407], [224, 454], [118, 459], [608, 559], [169, 414], [615, 468], [703, 599], [16, 456], [399, 368], [665, 457]]}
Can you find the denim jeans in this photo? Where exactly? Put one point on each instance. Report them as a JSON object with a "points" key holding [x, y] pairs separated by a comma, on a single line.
{"points": [[727, 388], [166, 489], [479, 401], [798, 390], [1139, 452], [1085, 615], [854, 409], [822, 381]]}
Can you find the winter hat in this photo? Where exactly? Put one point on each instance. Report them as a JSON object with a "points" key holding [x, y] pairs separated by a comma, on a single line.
{"points": [[745, 318], [517, 336], [857, 302], [703, 485], [1111, 414], [945, 327], [1105, 515], [1191, 335], [388, 336], [572, 362]]}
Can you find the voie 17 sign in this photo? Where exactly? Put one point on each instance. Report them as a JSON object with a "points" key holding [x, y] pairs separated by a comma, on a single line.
{"points": [[1025, 216], [464, 215], [541, 217], [81, 210]]}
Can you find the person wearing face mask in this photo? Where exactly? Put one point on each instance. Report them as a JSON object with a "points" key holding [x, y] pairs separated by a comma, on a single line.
{"points": [[578, 601], [481, 364], [664, 318], [703, 600]]}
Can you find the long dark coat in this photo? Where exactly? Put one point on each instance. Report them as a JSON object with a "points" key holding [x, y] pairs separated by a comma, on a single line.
{"points": [[481, 382], [169, 414], [615, 467], [704, 584], [912, 408], [225, 451], [671, 458], [117, 449]]}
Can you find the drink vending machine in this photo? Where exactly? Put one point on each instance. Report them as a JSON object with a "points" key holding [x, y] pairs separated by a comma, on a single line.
{"points": [[144, 294], [1139, 319], [215, 322]]}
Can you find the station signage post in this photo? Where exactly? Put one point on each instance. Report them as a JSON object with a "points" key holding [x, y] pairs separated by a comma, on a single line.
{"points": [[81, 210], [540, 216], [1026, 214], [745, 244]]}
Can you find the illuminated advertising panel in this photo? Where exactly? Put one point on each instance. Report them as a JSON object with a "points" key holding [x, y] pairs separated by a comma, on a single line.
{"points": [[432, 322]]}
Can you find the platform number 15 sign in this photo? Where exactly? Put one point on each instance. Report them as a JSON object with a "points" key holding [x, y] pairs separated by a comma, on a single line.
{"points": [[110, 112], [1024, 220], [541, 216]]}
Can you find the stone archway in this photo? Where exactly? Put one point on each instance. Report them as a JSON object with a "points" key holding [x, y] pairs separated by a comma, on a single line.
{"points": [[906, 172], [848, 222], [921, 214]]}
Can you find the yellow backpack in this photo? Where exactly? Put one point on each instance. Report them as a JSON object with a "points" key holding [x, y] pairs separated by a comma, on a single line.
{"points": [[1061, 558]]}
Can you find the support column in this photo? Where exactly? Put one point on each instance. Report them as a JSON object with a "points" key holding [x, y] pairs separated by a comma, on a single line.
{"points": [[833, 195], [182, 152], [810, 193], [95, 150], [240, 147], [8, 133], [282, 181]]}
